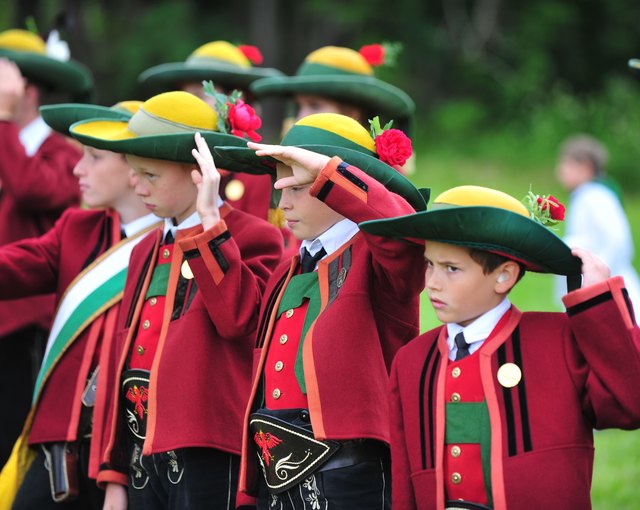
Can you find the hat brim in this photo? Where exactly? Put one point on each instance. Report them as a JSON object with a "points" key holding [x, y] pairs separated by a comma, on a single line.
{"points": [[71, 76], [166, 76], [485, 228], [113, 135], [61, 116], [244, 159], [367, 91]]}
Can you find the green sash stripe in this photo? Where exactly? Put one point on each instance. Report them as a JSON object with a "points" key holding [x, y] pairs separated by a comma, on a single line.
{"points": [[300, 287], [468, 422], [84, 313], [159, 281]]}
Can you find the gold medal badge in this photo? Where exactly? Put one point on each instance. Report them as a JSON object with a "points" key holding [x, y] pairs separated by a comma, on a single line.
{"points": [[509, 375]]}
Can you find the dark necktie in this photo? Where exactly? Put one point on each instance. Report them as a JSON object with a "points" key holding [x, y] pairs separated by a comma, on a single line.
{"points": [[168, 238], [123, 234], [462, 345], [308, 262]]}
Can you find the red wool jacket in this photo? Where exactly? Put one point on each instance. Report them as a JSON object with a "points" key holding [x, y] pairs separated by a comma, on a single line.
{"points": [[580, 371], [200, 376], [369, 291], [34, 191], [48, 264]]}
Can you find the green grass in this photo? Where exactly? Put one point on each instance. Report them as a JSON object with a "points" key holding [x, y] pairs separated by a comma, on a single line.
{"points": [[616, 479]]}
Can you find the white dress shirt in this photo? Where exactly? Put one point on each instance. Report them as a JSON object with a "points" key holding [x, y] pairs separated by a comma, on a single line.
{"points": [[331, 239]]}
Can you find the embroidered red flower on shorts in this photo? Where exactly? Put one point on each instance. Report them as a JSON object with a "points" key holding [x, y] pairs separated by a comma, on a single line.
{"points": [[252, 53], [244, 120], [556, 208], [393, 147], [373, 53]]}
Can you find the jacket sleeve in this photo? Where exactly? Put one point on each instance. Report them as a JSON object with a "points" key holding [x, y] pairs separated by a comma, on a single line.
{"points": [[231, 265], [402, 488], [398, 264], [44, 181], [30, 267], [607, 359]]}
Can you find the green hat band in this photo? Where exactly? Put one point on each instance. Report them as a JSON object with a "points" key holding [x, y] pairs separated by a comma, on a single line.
{"points": [[201, 60], [308, 135], [313, 69], [144, 123]]}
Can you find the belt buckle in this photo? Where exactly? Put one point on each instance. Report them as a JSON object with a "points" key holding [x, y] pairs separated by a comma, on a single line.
{"points": [[288, 453]]}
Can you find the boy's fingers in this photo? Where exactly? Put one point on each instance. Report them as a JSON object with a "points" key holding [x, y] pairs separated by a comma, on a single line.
{"points": [[285, 182]]}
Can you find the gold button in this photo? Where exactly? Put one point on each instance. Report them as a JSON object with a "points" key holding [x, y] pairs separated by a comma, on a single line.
{"points": [[455, 451], [456, 372], [455, 397], [140, 350], [279, 366], [165, 253], [283, 339], [456, 478], [146, 324], [153, 301], [276, 393], [288, 314]]}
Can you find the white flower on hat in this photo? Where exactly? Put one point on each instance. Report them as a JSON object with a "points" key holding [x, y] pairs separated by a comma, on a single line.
{"points": [[57, 48]]}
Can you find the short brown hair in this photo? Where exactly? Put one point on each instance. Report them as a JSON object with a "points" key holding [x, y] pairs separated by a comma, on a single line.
{"points": [[586, 149], [489, 261]]}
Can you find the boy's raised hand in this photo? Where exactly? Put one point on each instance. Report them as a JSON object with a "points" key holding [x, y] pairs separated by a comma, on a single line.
{"points": [[208, 182], [306, 165], [594, 270], [12, 86]]}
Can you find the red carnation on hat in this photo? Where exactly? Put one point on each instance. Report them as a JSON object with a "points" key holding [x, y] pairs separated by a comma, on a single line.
{"points": [[393, 147], [244, 120], [373, 53], [556, 208], [252, 53]]}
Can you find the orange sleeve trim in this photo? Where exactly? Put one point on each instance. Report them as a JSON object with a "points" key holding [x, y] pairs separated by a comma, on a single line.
{"points": [[110, 476], [192, 243], [615, 285], [202, 242], [325, 175]]}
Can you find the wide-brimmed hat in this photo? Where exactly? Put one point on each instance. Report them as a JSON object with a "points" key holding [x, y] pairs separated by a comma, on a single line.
{"points": [[484, 219], [342, 74], [61, 116], [162, 128], [330, 134], [29, 53], [219, 61]]}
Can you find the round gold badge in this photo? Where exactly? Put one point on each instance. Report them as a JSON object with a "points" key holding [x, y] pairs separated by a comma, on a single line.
{"points": [[234, 190], [185, 270], [509, 375]]}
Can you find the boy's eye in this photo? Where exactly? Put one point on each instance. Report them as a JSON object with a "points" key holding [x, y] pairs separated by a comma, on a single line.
{"points": [[452, 269], [429, 263]]}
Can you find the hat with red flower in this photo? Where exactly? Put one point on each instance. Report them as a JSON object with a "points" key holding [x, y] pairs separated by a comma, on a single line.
{"points": [[332, 134], [490, 220], [162, 128], [226, 64], [344, 75]]}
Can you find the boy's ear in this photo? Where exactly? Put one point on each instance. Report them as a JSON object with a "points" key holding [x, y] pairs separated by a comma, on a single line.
{"points": [[507, 276]]}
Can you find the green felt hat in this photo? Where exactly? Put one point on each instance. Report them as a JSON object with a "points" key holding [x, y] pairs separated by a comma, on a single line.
{"points": [[330, 134], [163, 128], [29, 53], [219, 61], [484, 219], [61, 116], [344, 75]]}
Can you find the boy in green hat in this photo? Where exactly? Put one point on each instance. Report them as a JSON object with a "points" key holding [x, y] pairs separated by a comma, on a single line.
{"points": [[36, 185], [83, 259], [496, 409], [178, 375], [316, 429]]}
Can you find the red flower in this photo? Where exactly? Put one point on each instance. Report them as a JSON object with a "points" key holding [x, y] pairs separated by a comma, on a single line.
{"points": [[252, 53], [556, 209], [244, 120], [373, 53], [393, 147]]}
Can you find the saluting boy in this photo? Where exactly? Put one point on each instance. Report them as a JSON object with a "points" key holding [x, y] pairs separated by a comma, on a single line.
{"points": [[181, 368], [331, 321], [496, 408], [83, 259]]}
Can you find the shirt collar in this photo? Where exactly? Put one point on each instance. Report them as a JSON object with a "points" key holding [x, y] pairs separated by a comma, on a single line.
{"points": [[135, 226], [33, 135], [479, 330], [189, 222], [332, 238]]}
